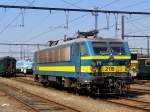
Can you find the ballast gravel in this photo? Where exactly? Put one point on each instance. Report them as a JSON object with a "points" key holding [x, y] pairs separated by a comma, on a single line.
{"points": [[80, 103], [9, 104]]}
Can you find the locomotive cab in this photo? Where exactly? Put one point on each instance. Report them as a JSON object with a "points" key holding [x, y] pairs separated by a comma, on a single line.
{"points": [[108, 64]]}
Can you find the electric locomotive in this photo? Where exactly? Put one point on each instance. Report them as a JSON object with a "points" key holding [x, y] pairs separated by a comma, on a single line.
{"points": [[96, 64]]}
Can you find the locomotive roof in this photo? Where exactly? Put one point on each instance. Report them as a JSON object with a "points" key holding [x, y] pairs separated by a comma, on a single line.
{"points": [[85, 39], [90, 39]]}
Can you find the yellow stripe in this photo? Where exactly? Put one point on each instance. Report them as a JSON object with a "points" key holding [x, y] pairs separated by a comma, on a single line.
{"points": [[94, 57], [57, 68], [104, 57], [144, 58], [84, 69], [122, 57]]}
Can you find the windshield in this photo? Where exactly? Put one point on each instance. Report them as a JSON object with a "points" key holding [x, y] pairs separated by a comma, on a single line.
{"points": [[133, 56], [107, 48], [100, 47], [117, 47]]}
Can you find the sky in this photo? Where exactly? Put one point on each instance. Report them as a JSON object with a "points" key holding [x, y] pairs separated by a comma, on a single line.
{"points": [[36, 26]]}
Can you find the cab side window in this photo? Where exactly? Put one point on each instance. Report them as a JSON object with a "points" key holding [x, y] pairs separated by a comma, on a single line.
{"points": [[83, 49], [75, 49]]}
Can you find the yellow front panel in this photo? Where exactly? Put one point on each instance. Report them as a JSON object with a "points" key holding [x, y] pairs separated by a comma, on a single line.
{"points": [[57, 68], [105, 57], [113, 69], [88, 69]]}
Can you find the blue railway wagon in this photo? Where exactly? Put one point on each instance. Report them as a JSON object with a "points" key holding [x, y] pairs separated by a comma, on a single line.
{"points": [[24, 66], [99, 65]]}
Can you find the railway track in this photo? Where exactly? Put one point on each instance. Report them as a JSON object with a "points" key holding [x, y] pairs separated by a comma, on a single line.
{"points": [[143, 82], [132, 103], [121, 101], [144, 91], [24, 75], [36, 103], [27, 80]]}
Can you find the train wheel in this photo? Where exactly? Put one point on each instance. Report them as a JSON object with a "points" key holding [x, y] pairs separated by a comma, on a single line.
{"points": [[78, 89], [14, 74], [121, 87], [36, 78], [118, 86], [125, 88], [45, 84]]}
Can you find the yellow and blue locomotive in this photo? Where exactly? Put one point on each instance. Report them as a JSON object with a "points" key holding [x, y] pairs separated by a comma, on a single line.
{"points": [[96, 64]]}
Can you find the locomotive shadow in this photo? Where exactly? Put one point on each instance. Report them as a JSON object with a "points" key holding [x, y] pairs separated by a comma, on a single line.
{"points": [[130, 94], [98, 96], [106, 96], [118, 96]]}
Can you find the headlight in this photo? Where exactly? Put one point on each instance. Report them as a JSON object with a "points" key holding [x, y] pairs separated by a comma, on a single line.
{"points": [[94, 64], [127, 68], [94, 67]]}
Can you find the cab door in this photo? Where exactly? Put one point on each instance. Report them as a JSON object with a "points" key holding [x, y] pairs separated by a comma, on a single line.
{"points": [[76, 57]]}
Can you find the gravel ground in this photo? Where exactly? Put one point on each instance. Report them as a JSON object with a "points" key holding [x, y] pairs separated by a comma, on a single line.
{"points": [[137, 86], [83, 104], [9, 104], [148, 83], [145, 98]]}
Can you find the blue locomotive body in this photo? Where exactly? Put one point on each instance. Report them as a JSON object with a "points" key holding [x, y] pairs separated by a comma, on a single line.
{"points": [[86, 63]]}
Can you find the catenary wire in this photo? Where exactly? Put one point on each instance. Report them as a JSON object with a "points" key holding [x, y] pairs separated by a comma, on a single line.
{"points": [[45, 32], [4, 14], [12, 21], [54, 27]]}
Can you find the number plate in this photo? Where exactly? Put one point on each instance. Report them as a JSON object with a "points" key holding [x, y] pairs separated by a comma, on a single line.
{"points": [[113, 69]]}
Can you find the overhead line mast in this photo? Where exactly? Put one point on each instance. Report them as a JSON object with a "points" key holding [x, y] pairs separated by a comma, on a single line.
{"points": [[148, 40], [74, 10]]}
